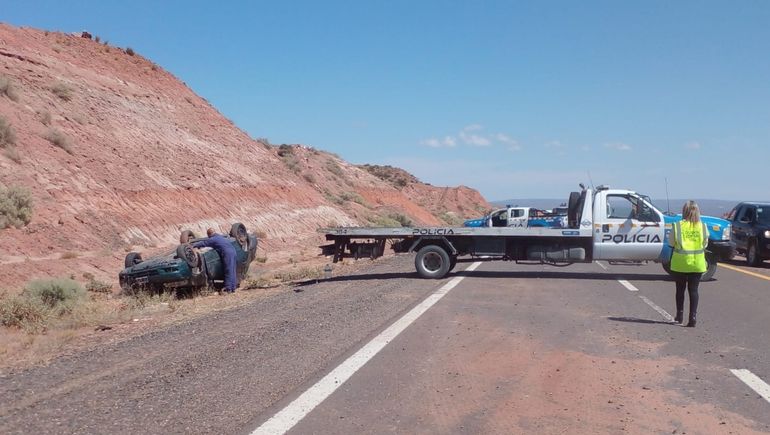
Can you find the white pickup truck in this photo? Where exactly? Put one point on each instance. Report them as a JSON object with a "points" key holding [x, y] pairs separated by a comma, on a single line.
{"points": [[520, 217], [615, 225]]}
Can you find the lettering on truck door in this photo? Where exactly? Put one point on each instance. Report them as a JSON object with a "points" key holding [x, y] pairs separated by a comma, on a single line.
{"points": [[518, 218], [630, 229]]}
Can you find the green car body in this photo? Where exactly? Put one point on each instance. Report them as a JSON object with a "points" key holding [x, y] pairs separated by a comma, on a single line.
{"points": [[186, 267]]}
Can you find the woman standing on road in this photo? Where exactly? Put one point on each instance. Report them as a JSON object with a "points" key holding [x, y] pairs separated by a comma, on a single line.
{"points": [[689, 238]]}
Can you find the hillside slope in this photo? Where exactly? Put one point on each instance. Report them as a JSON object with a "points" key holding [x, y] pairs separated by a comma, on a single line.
{"points": [[120, 155]]}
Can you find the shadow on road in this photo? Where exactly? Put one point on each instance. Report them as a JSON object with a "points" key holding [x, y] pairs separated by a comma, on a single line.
{"points": [[636, 320], [502, 274]]}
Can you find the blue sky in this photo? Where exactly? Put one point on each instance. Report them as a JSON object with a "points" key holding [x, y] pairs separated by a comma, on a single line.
{"points": [[516, 99]]}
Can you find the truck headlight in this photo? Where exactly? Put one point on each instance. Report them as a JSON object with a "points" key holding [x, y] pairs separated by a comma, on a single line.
{"points": [[726, 233], [767, 234]]}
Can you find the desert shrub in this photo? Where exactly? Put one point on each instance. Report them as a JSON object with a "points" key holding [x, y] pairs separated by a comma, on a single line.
{"points": [[299, 273], [129, 51], [23, 313], [96, 286], [283, 150], [13, 154], [451, 218], [402, 220], [61, 295], [15, 207], [8, 89], [58, 138], [260, 259], [333, 198], [68, 255], [7, 135], [45, 117], [384, 221], [334, 168], [62, 91], [309, 178], [352, 196]]}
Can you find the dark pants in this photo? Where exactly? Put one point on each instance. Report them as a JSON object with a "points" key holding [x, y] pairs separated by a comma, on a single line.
{"points": [[691, 282], [231, 274]]}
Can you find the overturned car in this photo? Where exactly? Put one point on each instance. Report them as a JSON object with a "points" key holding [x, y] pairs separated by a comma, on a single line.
{"points": [[187, 268]]}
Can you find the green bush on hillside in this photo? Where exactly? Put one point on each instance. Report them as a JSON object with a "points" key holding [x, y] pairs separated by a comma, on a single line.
{"points": [[15, 207]]}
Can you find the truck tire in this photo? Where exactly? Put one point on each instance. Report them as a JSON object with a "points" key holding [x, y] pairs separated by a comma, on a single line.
{"points": [[432, 262], [133, 258], [711, 267], [752, 256], [572, 210], [452, 262]]}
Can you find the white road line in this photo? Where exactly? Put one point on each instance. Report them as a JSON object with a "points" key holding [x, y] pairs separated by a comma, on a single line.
{"points": [[660, 310], [601, 265], [754, 382], [295, 411], [628, 285]]}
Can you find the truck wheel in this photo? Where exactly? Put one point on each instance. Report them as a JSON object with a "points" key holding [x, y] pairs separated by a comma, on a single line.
{"points": [[711, 267], [188, 254], [133, 258], [752, 257], [432, 262], [186, 236], [452, 263], [572, 210]]}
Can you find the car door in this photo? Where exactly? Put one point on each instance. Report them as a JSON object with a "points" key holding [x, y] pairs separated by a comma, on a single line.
{"points": [[630, 229], [744, 218], [518, 218]]}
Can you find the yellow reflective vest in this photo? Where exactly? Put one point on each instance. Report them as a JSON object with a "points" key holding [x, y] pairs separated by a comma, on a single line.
{"points": [[690, 239]]}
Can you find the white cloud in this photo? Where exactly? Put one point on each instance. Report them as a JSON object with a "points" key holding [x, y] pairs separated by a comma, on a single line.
{"points": [[618, 146], [446, 142], [473, 127], [693, 145], [474, 139], [512, 144]]}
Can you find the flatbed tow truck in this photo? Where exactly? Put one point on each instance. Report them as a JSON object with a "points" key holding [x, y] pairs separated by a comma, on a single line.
{"points": [[615, 225]]}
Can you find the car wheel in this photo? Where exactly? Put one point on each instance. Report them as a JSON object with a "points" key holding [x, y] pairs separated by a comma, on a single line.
{"points": [[133, 258], [752, 257], [432, 262], [188, 254], [239, 233], [186, 236]]}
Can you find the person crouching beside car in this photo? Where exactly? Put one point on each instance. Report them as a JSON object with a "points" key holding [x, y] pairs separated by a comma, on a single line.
{"points": [[689, 238], [226, 252]]}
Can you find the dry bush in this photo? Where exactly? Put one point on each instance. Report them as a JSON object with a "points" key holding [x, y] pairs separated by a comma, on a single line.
{"points": [[334, 168], [68, 255], [260, 259], [45, 117], [61, 295], [62, 91], [309, 178], [95, 286], [13, 154], [15, 207], [8, 89], [58, 138], [23, 313], [299, 274], [7, 135], [129, 51]]}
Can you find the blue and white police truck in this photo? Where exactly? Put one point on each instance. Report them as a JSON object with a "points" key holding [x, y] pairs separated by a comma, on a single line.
{"points": [[520, 217], [614, 225]]}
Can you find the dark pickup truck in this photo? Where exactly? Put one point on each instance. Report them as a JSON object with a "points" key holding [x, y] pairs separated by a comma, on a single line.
{"points": [[751, 231]]}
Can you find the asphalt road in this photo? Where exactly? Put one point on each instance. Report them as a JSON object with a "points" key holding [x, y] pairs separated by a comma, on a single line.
{"points": [[508, 349]]}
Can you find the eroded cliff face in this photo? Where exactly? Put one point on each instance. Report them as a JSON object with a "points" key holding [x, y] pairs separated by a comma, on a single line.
{"points": [[120, 155]]}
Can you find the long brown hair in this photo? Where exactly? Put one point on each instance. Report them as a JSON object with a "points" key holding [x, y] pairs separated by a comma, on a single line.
{"points": [[691, 212]]}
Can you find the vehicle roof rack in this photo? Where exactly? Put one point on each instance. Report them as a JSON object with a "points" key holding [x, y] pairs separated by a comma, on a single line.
{"points": [[602, 187]]}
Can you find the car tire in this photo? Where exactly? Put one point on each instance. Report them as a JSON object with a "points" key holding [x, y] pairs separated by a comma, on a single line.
{"points": [[711, 267], [133, 258], [752, 256], [239, 233], [186, 237], [188, 254], [432, 262]]}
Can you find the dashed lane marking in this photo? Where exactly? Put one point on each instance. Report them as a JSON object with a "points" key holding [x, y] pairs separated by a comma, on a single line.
{"points": [[601, 265], [628, 285], [741, 270], [754, 382], [301, 406], [660, 310]]}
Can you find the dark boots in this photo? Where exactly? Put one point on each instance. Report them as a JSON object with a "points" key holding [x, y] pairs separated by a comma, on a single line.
{"points": [[691, 322], [679, 316]]}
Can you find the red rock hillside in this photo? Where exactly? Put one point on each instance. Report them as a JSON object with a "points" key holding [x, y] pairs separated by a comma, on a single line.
{"points": [[120, 155]]}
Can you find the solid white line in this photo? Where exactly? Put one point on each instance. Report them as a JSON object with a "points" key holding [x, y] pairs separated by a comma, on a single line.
{"points": [[307, 401], [660, 310], [601, 265], [754, 382], [628, 285]]}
